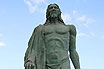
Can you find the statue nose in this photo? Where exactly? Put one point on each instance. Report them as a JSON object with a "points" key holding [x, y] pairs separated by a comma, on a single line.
{"points": [[53, 8]]}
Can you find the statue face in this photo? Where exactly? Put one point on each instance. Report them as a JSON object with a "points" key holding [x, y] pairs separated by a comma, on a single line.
{"points": [[53, 10]]}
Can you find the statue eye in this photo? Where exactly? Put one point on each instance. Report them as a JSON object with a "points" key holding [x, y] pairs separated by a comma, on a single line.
{"points": [[55, 7], [50, 7]]}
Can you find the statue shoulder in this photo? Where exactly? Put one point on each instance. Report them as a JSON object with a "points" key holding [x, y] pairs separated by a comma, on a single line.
{"points": [[39, 28], [36, 31], [72, 29]]}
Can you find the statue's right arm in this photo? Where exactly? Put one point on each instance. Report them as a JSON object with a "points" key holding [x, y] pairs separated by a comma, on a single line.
{"points": [[28, 63]]}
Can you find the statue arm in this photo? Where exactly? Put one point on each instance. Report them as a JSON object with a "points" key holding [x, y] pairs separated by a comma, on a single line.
{"points": [[35, 52], [72, 48], [30, 52], [28, 63]]}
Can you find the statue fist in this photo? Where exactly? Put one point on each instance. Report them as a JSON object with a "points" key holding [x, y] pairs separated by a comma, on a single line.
{"points": [[29, 65]]}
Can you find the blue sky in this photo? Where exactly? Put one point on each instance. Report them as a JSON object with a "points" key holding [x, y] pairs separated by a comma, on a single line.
{"points": [[18, 18]]}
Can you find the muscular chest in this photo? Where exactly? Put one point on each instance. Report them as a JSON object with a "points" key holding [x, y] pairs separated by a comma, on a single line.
{"points": [[56, 29]]}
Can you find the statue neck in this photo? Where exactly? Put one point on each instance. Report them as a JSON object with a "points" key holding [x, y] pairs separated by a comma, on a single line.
{"points": [[54, 20]]}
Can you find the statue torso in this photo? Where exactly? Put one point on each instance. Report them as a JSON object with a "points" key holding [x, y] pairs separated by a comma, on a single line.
{"points": [[57, 43]]}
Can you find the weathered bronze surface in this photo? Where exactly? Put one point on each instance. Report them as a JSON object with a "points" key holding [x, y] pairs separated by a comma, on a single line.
{"points": [[49, 44]]}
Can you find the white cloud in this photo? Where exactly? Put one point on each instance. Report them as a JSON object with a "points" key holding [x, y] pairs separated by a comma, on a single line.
{"points": [[88, 21], [74, 12], [81, 34], [92, 34], [66, 17], [33, 4], [78, 18], [1, 35], [2, 44], [89, 34], [31, 7], [84, 20], [38, 1], [102, 37], [81, 19], [85, 34]]}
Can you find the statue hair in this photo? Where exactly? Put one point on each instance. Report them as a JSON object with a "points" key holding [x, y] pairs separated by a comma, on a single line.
{"points": [[48, 15]]}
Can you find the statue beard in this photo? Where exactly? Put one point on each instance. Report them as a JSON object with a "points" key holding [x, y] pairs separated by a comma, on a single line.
{"points": [[54, 14]]}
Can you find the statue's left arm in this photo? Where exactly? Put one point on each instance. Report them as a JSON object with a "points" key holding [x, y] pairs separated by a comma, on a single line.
{"points": [[72, 48]]}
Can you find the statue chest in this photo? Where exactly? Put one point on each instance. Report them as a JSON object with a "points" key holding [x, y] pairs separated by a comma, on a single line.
{"points": [[57, 42], [56, 37], [55, 30]]}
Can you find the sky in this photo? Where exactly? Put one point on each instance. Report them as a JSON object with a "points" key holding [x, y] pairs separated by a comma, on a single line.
{"points": [[18, 18]]}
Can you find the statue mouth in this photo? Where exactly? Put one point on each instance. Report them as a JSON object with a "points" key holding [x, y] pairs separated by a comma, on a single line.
{"points": [[53, 10]]}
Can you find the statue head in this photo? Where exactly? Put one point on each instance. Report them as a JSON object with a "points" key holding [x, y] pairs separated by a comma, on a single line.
{"points": [[53, 11]]}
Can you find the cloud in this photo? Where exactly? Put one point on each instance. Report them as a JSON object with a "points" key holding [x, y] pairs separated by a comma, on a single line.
{"points": [[1, 35], [87, 34], [34, 4], [81, 34], [81, 19], [66, 17], [102, 37], [38, 1], [74, 12], [2, 44], [92, 34], [88, 21], [78, 18], [84, 20], [31, 7]]}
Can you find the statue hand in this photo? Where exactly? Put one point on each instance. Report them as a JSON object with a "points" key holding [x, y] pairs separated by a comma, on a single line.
{"points": [[29, 65]]}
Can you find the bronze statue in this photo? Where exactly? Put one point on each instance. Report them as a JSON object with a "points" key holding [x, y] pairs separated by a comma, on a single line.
{"points": [[49, 44]]}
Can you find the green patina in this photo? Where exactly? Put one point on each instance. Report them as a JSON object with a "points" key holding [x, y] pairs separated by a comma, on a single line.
{"points": [[50, 43]]}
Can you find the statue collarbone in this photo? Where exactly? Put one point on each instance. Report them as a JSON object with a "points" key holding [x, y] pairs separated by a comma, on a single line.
{"points": [[56, 29]]}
